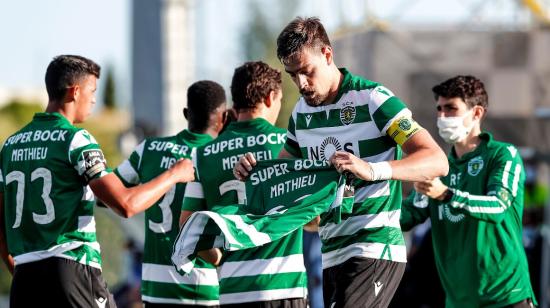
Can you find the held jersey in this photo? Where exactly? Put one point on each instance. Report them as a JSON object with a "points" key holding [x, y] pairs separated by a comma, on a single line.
{"points": [[48, 206], [477, 234], [281, 196], [217, 187], [160, 283], [358, 122]]}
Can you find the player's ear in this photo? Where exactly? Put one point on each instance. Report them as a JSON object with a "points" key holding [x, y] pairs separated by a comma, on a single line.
{"points": [[269, 99], [478, 112], [72, 93], [186, 113], [327, 54]]}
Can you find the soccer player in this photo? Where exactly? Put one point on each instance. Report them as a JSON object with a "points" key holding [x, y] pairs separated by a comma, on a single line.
{"points": [[476, 210], [363, 129], [161, 286], [49, 173], [272, 275]]}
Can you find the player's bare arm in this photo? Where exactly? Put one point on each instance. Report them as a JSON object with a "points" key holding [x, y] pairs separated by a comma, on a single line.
{"points": [[434, 189], [212, 256], [424, 161], [129, 201]]}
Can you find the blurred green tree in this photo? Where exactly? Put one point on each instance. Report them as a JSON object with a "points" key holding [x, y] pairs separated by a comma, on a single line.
{"points": [[260, 43], [109, 90]]}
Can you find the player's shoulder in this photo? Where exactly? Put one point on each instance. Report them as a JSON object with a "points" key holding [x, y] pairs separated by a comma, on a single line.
{"points": [[502, 150], [79, 137]]}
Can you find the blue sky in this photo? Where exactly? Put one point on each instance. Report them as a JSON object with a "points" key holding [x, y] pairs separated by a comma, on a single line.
{"points": [[34, 31]]}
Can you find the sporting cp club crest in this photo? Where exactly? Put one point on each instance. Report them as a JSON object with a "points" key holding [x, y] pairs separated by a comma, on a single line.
{"points": [[328, 147], [347, 113], [475, 165], [404, 124]]}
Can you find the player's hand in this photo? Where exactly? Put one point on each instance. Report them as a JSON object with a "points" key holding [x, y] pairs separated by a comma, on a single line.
{"points": [[313, 226], [434, 189], [347, 162], [244, 166], [183, 170]]}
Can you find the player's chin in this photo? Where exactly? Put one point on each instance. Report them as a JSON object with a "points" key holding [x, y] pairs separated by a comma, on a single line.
{"points": [[313, 101]]}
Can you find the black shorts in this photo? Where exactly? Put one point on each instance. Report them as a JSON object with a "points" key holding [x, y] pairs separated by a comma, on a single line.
{"points": [[279, 303], [361, 282], [59, 282]]}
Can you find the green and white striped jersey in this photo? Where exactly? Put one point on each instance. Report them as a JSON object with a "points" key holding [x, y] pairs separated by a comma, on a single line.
{"points": [[216, 186], [357, 122], [477, 234], [160, 282], [48, 206], [282, 195]]}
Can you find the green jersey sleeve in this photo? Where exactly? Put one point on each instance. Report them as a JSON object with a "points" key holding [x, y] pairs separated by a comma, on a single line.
{"points": [[291, 144], [414, 210], [1, 173], [385, 107], [505, 181], [194, 198], [128, 170], [86, 156]]}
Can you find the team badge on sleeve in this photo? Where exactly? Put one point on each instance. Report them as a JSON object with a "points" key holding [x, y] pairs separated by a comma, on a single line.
{"points": [[94, 163], [402, 129]]}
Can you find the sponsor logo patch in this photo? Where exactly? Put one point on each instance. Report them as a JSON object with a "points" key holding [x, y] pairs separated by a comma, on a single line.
{"points": [[328, 147]]}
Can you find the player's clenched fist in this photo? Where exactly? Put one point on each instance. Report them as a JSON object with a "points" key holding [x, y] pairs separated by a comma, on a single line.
{"points": [[183, 170], [244, 166]]}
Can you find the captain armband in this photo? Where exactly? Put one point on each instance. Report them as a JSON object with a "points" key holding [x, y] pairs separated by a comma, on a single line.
{"points": [[403, 128]]}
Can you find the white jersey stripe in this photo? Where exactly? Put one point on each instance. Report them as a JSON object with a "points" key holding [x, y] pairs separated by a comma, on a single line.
{"points": [[258, 238], [194, 190], [368, 250], [261, 296], [515, 182], [355, 224], [181, 301], [372, 191], [278, 265], [86, 224], [506, 173], [168, 274], [128, 173]]}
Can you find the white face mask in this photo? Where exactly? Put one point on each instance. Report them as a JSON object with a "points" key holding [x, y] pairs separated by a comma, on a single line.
{"points": [[452, 129]]}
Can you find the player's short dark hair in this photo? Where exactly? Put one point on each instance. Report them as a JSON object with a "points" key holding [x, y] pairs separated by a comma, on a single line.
{"points": [[301, 33], [65, 71], [203, 98], [252, 82], [469, 88]]}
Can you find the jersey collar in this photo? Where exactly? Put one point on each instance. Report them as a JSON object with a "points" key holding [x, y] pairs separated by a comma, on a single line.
{"points": [[486, 139], [194, 138], [344, 87], [48, 116], [256, 122]]}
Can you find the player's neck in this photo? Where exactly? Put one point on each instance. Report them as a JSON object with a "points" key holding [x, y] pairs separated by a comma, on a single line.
{"points": [[335, 87], [62, 109], [250, 114], [469, 144]]}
